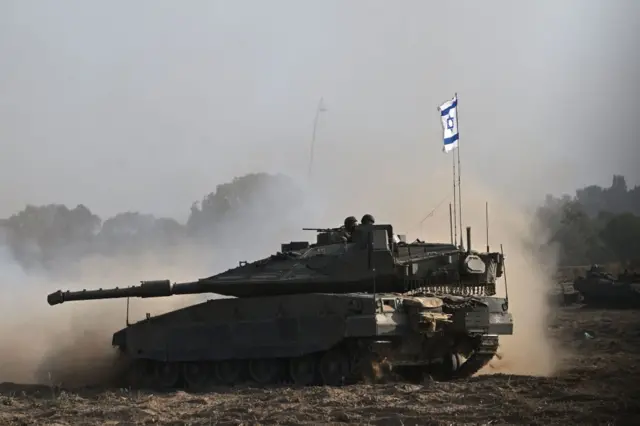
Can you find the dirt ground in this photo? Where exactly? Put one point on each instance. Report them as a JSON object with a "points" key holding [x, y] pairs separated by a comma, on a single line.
{"points": [[599, 385]]}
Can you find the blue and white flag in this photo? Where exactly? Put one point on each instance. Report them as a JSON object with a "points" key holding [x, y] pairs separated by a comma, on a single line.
{"points": [[449, 117]]}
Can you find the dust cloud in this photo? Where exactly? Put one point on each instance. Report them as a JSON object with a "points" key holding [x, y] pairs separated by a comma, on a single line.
{"points": [[528, 271], [529, 350], [86, 92], [70, 344], [416, 202]]}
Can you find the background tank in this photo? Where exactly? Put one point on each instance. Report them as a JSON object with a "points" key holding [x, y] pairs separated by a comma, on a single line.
{"points": [[602, 289], [564, 293], [325, 313]]}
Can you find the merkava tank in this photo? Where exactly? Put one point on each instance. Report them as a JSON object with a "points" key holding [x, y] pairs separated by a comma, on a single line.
{"points": [[600, 288], [564, 292], [327, 313]]}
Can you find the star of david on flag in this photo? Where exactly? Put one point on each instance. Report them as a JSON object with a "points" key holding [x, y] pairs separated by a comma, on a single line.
{"points": [[449, 117]]}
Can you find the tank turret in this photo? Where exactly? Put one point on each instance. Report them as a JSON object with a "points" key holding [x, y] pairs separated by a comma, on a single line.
{"points": [[370, 261]]}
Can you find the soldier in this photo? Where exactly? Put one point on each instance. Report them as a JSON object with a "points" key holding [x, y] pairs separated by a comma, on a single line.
{"points": [[350, 224], [367, 219]]}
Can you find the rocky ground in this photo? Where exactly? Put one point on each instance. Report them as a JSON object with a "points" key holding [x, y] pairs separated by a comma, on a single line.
{"points": [[601, 385]]}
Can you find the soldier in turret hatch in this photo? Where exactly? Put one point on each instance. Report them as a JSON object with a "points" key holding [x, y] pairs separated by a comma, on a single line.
{"points": [[360, 231], [367, 219], [350, 224]]}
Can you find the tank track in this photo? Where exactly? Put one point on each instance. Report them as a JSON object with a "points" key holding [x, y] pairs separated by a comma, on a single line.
{"points": [[482, 355], [339, 366]]}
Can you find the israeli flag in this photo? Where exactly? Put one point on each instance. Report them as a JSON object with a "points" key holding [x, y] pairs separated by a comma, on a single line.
{"points": [[449, 117]]}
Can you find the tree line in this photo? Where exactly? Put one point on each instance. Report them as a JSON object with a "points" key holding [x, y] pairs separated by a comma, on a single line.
{"points": [[596, 225], [38, 236]]}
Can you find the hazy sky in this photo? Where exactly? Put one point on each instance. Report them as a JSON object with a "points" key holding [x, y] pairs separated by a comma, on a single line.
{"points": [[147, 105]]}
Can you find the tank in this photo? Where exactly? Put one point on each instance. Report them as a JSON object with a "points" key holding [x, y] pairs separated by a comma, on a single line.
{"points": [[564, 293], [350, 307], [602, 289]]}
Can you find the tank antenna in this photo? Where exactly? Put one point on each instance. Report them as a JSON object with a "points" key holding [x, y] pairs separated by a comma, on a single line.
{"points": [[451, 225], [319, 109], [372, 266], [374, 283], [486, 213], [127, 320], [506, 288]]}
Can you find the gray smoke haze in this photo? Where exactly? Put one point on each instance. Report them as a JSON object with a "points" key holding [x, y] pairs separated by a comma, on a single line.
{"points": [[71, 343], [147, 105]]}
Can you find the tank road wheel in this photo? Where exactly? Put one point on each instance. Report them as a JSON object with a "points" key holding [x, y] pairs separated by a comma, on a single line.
{"points": [[229, 372], [451, 363], [265, 371], [197, 375], [368, 367], [334, 367], [166, 375], [139, 373], [303, 370]]}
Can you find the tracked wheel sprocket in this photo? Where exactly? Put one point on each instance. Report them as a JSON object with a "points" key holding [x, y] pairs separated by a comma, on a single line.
{"points": [[482, 355]]}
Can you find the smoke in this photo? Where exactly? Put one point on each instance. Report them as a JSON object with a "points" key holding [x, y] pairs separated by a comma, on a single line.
{"points": [[70, 344], [89, 93], [528, 276], [528, 271], [530, 349]]}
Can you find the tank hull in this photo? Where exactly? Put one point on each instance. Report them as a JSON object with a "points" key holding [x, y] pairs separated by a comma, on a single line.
{"points": [[564, 294], [307, 339], [609, 293]]}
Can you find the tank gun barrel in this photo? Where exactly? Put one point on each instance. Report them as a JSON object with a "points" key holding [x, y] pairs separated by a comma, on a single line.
{"points": [[157, 288], [164, 288]]}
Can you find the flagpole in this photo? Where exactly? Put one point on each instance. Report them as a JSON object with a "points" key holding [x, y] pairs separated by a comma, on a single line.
{"points": [[455, 214], [459, 168], [456, 142]]}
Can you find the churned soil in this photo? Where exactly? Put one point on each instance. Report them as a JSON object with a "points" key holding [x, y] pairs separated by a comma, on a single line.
{"points": [[599, 384]]}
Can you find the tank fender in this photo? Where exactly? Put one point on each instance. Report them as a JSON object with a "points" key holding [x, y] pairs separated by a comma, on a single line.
{"points": [[276, 338], [485, 316]]}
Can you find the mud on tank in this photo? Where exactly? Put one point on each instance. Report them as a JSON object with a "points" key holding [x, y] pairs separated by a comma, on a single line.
{"points": [[341, 310]]}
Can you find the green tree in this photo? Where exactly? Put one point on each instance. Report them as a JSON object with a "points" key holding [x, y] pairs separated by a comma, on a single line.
{"points": [[137, 231], [235, 199], [41, 233], [584, 226], [621, 233]]}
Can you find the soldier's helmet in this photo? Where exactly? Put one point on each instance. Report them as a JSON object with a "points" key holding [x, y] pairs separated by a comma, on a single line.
{"points": [[350, 223], [367, 219]]}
